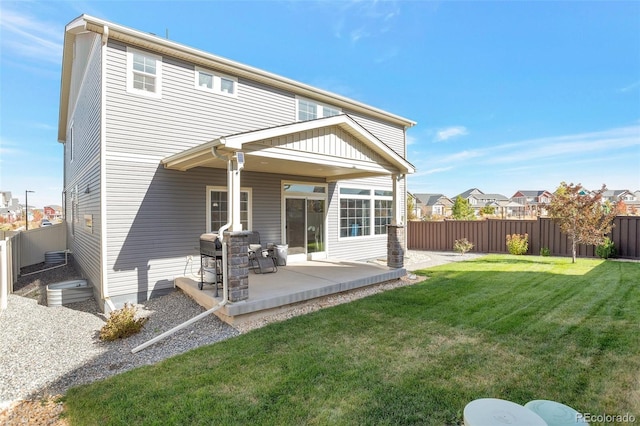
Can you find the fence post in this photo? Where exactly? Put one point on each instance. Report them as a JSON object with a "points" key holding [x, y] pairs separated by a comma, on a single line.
{"points": [[4, 276]]}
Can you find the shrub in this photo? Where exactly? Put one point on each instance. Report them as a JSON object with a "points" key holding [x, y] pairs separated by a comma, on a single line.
{"points": [[462, 246], [606, 249], [122, 323], [544, 251], [518, 244]]}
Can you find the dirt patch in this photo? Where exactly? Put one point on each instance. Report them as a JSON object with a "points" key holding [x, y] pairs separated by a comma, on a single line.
{"points": [[40, 412]]}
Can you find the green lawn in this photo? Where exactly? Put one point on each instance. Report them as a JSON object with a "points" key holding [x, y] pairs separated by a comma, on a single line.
{"points": [[517, 328]]}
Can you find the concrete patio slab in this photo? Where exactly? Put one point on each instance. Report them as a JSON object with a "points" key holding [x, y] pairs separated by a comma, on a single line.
{"points": [[293, 283]]}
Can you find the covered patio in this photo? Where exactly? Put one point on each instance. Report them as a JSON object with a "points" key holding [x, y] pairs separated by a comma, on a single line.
{"points": [[293, 283], [322, 151]]}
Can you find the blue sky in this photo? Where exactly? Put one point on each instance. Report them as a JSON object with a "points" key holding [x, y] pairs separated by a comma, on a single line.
{"points": [[507, 95]]}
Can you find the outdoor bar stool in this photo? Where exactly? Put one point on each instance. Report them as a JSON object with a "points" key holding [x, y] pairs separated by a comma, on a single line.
{"points": [[493, 412], [556, 414]]}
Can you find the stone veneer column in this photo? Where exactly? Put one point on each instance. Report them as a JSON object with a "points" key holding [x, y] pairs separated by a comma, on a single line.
{"points": [[237, 265], [395, 246]]}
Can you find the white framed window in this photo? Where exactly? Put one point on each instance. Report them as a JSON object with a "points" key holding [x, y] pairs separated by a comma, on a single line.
{"points": [[217, 203], [144, 73], [364, 211], [211, 81], [307, 109]]}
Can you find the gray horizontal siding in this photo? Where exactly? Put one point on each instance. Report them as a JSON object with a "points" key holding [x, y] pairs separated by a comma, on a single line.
{"points": [[83, 172], [155, 216]]}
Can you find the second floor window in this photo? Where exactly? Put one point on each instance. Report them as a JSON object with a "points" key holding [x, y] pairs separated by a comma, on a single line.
{"points": [[144, 73], [217, 83], [310, 110]]}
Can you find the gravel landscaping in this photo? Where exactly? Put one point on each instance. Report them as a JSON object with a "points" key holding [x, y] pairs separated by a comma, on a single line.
{"points": [[47, 350]]}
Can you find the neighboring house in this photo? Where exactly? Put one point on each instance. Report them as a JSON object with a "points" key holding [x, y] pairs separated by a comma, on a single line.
{"points": [[478, 200], [434, 205], [10, 209], [534, 202], [164, 142], [53, 212], [623, 197]]}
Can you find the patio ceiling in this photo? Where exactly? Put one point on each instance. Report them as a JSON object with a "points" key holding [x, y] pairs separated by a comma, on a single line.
{"points": [[271, 151]]}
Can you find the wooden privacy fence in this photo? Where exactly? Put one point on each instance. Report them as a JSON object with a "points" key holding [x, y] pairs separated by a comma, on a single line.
{"points": [[489, 236]]}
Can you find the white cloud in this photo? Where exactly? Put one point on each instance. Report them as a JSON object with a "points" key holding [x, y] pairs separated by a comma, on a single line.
{"points": [[631, 87], [451, 132], [25, 36], [569, 147], [363, 19]]}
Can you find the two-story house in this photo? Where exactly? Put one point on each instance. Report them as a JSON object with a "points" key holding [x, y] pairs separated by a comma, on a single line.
{"points": [[164, 142], [534, 202], [434, 205], [53, 212], [497, 203]]}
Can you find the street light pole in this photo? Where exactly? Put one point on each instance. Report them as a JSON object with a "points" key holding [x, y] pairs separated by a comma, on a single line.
{"points": [[26, 209]]}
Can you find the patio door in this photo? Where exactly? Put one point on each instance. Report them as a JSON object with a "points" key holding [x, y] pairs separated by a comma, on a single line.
{"points": [[304, 227]]}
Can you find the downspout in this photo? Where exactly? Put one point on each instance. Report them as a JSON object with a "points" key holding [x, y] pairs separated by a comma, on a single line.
{"points": [[225, 275], [204, 314], [104, 282]]}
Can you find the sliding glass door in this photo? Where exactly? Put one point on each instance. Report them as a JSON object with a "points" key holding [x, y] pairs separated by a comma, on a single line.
{"points": [[304, 224]]}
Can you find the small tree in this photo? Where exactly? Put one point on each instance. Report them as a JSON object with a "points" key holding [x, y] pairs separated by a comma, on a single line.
{"points": [[411, 208], [581, 215], [488, 211], [461, 210]]}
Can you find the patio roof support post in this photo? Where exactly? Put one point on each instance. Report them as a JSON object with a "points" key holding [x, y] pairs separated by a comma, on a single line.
{"points": [[234, 191], [396, 218], [395, 230]]}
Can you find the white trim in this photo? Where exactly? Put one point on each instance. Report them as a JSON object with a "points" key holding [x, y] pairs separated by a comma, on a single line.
{"points": [[104, 246], [219, 188], [157, 93], [216, 82], [306, 196], [235, 142], [372, 197]]}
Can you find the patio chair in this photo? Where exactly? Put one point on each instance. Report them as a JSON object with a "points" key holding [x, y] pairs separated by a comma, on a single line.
{"points": [[261, 260]]}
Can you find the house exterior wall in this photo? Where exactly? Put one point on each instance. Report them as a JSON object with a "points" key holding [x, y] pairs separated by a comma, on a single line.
{"points": [[83, 171], [154, 216]]}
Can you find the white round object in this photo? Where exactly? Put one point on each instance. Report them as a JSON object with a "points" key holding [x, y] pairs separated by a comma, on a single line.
{"points": [[556, 414], [497, 412]]}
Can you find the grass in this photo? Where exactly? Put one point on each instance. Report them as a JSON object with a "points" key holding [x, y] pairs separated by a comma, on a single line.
{"points": [[511, 327]]}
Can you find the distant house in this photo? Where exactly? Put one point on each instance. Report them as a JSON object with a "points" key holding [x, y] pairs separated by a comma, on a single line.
{"points": [[623, 197], [10, 209], [434, 205], [533, 202], [53, 212], [164, 142], [500, 204]]}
